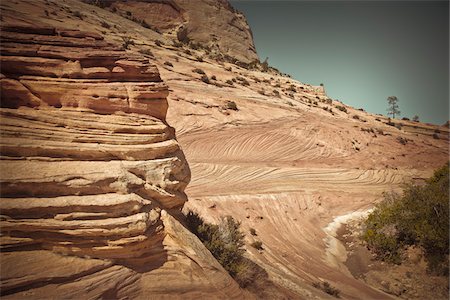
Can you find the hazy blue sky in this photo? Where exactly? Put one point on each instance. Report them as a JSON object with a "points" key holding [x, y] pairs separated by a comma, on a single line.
{"points": [[363, 51]]}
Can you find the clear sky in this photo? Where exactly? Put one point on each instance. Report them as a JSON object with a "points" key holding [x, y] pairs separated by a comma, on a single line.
{"points": [[362, 51]]}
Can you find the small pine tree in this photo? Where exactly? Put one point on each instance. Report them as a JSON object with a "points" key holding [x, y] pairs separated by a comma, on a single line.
{"points": [[393, 106]]}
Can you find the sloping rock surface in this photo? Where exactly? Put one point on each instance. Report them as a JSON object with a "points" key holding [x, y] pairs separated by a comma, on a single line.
{"points": [[209, 23], [92, 178]]}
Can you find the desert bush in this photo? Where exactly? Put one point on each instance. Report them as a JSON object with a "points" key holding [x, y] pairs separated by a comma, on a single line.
{"points": [[292, 88], [435, 136], [402, 140], [159, 43], [177, 44], [199, 71], [199, 58], [228, 81], [213, 77], [356, 117], [127, 41], [226, 243], [341, 108], [231, 105], [146, 52], [276, 93], [105, 24], [168, 63], [417, 217], [253, 231], [257, 245], [78, 14], [205, 78], [405, 119], [327, 288], [290, 103]]}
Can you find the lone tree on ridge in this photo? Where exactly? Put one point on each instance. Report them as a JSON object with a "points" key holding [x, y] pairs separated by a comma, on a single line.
{"points": [[393, 106]]}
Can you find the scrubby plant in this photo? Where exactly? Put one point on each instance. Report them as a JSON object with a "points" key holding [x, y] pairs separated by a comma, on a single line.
{"points": [[418, 217], [292, 88], [127, 41], [253, 231], [402, 140], [105, 24], [327, 288], [257, 245], [146, 52], [228, 81], [159, 43], [78, 14], [341, 108], [168, 63], [199, 71], [231, 105], [213, 77], [205, 78], [226, 243]]}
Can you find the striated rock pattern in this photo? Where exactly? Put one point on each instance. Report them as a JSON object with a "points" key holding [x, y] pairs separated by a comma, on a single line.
{"points": [[92, 178]]}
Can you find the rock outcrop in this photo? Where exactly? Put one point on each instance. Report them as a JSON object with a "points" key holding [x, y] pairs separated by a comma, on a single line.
{"points": [[213, 24], [92, 178]]}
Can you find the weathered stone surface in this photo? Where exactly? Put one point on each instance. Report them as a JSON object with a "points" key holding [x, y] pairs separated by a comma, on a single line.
{"points": [[90, 175], [214, 24]]}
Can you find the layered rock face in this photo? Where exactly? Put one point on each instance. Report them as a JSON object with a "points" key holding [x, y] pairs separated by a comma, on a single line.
{"points": [[92, 177], [211, 23]]}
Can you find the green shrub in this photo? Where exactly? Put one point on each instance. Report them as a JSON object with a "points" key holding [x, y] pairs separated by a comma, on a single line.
{"points": [[419, 217], [205, 79], [105, 24], [257, 245], [231, 105], [78, 14], [146, 52], [225, 241], [127, 41], [199, 71], [341, 108], [327, 288]]}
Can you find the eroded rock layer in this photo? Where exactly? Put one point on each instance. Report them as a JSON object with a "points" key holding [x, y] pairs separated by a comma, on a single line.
{"points": [[92, 178]]}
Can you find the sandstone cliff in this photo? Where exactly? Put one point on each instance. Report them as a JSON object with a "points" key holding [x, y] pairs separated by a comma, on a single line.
{"points": [[92, 178], [209, 23]]}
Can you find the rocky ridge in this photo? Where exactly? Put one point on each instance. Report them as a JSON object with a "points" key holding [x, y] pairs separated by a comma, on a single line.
{"points": [[210, 24], [92, 178]]}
